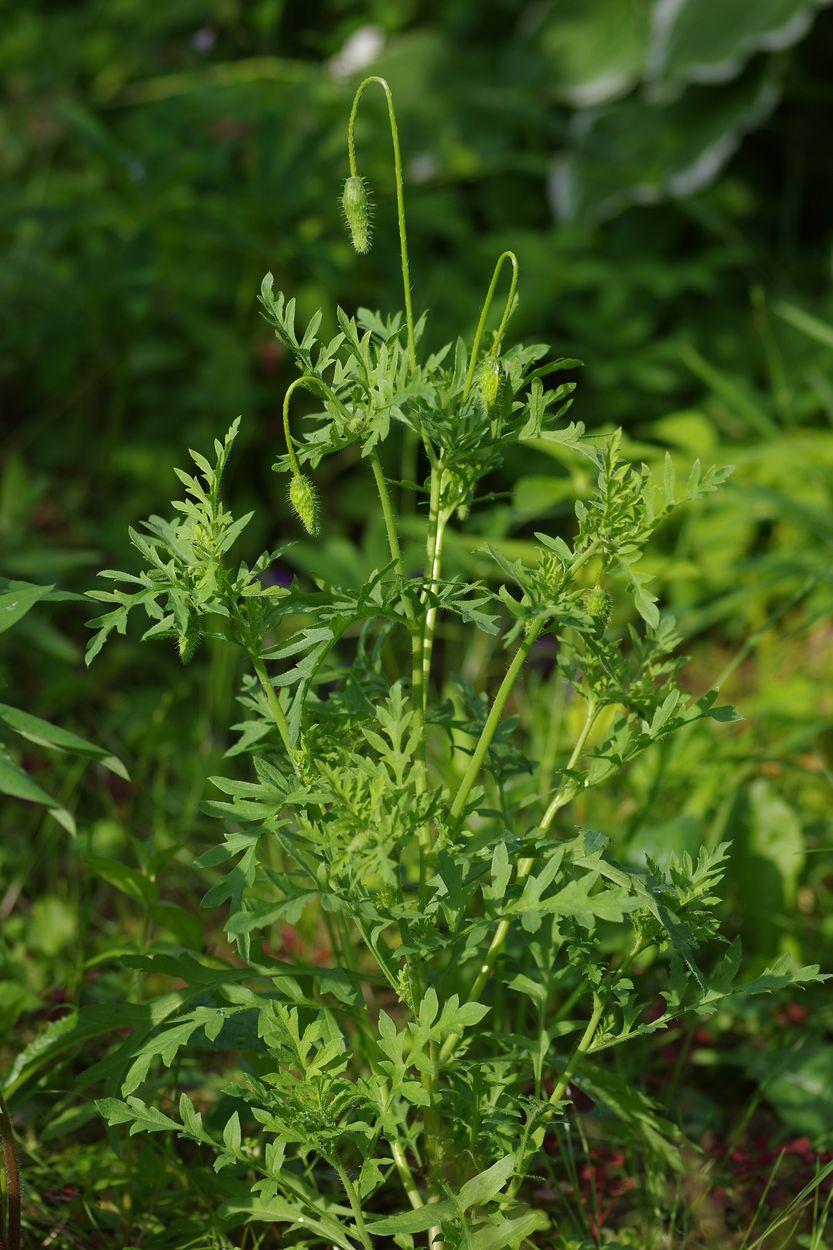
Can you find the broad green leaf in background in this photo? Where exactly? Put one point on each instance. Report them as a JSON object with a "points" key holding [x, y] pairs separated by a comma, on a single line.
{"points": [[636, 152], [17, 783], [799, 1085], [14, 604], [53, 737], [596, 52], [710, 41]]}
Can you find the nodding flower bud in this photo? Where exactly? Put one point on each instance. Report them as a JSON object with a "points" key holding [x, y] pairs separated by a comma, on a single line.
{"points": [[356, 205], [597, 605], [304, 501], [187, 643], [491, 377]]}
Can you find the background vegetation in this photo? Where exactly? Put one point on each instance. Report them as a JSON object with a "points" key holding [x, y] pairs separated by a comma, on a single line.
{"points": [[659, 170]]}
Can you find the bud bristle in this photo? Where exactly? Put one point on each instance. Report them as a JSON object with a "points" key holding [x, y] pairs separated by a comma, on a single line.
{"points": [[187, 644], [491, 376], [357, 211], [304, 502], [597, 605]]}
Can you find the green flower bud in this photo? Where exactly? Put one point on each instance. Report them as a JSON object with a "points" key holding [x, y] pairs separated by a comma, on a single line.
{"points": [[357, 211], [597, 605], [550, 573], [491, 377], [304, 501], [187, 644]]}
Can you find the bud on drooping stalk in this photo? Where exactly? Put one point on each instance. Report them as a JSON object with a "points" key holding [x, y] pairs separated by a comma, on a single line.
{"points": [[491, 376], [356, 205], [304, 501], [597, 605]]}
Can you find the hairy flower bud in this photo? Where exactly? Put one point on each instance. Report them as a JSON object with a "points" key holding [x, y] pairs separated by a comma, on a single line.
{"points": [[491, 377], [597, 605], [187, 643], [357, 211], [304, 501]]}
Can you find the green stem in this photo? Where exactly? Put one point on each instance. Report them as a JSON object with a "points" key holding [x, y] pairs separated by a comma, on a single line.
{"points": [[390, 520], [400, 196], [566, 793], [580, 1051], [10, 1219], [492, 723], [353, 1199], [487, 303], [274, 705], [405, 1174]]}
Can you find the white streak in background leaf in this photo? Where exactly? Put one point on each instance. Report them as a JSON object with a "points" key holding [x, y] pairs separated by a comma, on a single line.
{"points": [[670, 82], [561, 188], [572, 195], [662, 23], [706, 167], [599, 90], [423, 167], [711, 160], [363, 46]]}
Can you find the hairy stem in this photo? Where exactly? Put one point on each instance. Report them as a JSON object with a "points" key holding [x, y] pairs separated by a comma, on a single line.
{"points": [[487, 303], [390, 520], [405, 1174], [437, 522], [10, 1218], [353, 1199], [566, 793], [274, 704], [400, 195]]}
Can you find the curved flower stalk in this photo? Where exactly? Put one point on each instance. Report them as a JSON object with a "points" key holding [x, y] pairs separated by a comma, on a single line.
{"points": [[356, 204], [507, 312], [301, 490]]}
